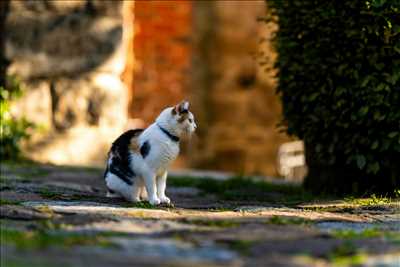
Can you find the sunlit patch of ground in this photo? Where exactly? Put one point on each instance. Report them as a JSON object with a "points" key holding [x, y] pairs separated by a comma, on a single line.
{"points": [[59, 216]]}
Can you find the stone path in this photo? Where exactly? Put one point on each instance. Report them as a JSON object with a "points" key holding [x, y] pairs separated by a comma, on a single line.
{"points": [[58, 216]]}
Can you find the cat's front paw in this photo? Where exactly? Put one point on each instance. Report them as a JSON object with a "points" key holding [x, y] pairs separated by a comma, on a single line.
{"points": [[165, 200], [136, 200], [154, 201]]}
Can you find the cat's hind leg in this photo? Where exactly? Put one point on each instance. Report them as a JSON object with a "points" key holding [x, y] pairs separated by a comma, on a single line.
{"points": [[142, 190], [136, 190], [148, 178], [117, 186], [143, 194]]}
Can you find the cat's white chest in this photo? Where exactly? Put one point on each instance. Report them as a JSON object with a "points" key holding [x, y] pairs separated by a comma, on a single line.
{"points": [[164, 154], [162, 150]]}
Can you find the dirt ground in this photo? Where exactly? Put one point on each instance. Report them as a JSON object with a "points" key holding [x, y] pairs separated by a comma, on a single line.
{"points": [[58, 216]]}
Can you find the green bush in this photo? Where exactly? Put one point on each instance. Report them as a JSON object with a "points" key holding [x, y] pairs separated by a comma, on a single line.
{"points": [[339, 81], [12, 130]]}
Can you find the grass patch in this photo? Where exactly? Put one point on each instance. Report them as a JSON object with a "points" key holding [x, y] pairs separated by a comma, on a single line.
{"points": [[45, 209], [29, 262], [9, 202], [141, 205], [212, 223], [346, 254], [24, 169], [351, 234], [393, 237], [3, 179], [373, 200], [353, 260], [43, 239], [240, 246], [46, 193], [283, 220], [245, 189]]}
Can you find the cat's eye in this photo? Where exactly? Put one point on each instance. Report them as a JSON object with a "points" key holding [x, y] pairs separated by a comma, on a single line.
{"points": [[190, 120]]}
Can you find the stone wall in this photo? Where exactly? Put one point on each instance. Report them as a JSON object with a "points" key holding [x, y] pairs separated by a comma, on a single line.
{"points": [[241, 133], [207, 52], [69, 56], [162, 53], [72, 56]]}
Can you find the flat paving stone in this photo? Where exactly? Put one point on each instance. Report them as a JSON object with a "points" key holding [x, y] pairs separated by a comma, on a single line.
{"points": [[200, 230]]}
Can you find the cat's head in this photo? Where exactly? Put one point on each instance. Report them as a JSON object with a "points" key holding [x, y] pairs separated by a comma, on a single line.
{"points": [[178, 119]]}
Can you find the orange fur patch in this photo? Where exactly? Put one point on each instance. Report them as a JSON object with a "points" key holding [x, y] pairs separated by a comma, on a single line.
{"points": [[134, 144], [183, 117]]}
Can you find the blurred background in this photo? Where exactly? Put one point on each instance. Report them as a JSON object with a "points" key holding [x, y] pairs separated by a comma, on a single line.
{"points": [[89, 70]]}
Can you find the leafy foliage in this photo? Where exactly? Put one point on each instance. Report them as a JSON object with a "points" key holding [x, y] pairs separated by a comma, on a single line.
{"points": [[12, 130], [339, 80]]}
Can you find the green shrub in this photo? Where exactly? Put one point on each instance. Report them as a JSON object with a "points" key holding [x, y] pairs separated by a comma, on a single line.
{"points": [[12, 130], [339, 81]]}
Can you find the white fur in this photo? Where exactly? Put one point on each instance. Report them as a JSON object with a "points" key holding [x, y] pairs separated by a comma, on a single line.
{"points": [[152, 171]]}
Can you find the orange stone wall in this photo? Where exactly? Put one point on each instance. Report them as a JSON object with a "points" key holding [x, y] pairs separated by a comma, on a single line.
{"points": [[162, 52], [209, 52]]}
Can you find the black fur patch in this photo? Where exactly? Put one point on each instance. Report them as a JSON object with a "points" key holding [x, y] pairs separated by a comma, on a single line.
{"points": [[145, 149], [122, 171], [111, 191], [120, 163], [171, 136], [120, 147], [105, 172]]}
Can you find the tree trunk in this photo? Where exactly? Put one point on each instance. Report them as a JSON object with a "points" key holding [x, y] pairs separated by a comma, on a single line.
{"points": [[4, 8]]}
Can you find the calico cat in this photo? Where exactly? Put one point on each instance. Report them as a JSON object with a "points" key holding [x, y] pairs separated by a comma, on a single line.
{"points": [[139, 159]]}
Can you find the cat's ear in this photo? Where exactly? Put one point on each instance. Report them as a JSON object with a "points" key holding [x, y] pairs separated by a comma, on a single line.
{"points": [[182, 107]]}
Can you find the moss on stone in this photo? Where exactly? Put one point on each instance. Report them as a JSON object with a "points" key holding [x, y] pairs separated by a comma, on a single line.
{"points": [[356, 259], [9, 202], [45, 209], [43, 239], [141, 205], [284, 220], [346, 254], [245, 189], [373, 200], [46, 193], [349, 234], [241, 246]]}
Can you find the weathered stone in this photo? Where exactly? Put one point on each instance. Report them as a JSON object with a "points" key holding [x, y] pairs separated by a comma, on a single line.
{"points": [[388, 225], [167, 249], [94, 208], [132, 226], [252, 235], [21, 213], [70, 57]]}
